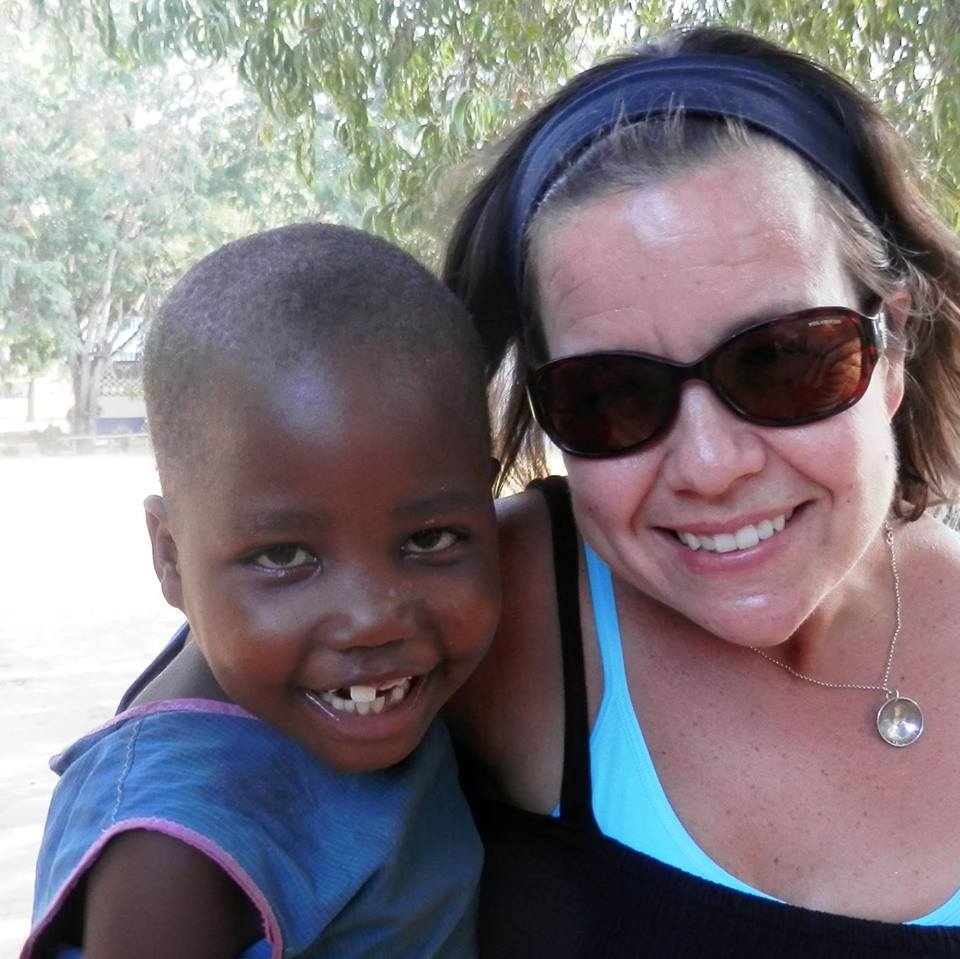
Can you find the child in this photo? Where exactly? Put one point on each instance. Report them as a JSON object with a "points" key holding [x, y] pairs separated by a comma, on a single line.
{"points": [[281, 788]]}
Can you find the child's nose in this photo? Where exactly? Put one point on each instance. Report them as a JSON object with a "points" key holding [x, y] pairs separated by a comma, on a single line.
{"points": [[370, 612]]}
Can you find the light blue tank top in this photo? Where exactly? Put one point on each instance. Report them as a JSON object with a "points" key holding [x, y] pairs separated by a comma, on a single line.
{"points": [[629, 802]]}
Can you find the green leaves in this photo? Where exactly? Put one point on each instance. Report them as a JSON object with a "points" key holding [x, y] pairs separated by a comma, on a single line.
{"points": [[415, 87], [112, 181]]}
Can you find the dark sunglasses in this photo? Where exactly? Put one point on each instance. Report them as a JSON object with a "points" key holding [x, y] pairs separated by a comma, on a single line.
{"points": [[787, 371]]}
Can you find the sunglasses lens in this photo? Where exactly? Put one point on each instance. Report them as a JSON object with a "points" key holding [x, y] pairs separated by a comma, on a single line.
{"points": [[602, 404], [795, 369]]}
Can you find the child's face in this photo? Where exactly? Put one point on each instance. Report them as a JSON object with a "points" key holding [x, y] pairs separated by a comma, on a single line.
{"points": [[336, 554]]}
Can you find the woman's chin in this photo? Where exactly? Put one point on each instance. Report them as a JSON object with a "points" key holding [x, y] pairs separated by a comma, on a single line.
{"points": [[756, 622]]}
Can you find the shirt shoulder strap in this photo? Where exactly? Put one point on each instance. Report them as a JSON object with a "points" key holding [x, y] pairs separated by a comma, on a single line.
{"points": [[575, 794]]}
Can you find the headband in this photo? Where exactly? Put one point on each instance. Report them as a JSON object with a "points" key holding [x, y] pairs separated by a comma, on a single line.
{"points": [[718, 85]]}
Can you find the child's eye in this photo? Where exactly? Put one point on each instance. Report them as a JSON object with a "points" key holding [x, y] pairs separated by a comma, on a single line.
{"points": [[432, 540], [286, 556]]}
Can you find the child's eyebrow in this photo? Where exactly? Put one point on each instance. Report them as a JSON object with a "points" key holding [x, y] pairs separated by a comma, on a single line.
{"points": [[442, 500], [271, 520], [282, 519]]}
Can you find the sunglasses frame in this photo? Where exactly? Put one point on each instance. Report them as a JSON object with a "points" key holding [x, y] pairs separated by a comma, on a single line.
{"points": [[870, 329]]}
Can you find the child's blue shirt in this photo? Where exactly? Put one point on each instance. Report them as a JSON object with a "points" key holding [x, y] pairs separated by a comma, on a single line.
{"points": [[347, 865]]}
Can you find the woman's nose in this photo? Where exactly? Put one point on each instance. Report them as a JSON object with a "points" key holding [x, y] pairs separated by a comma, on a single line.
{"points": [[709, 448]]}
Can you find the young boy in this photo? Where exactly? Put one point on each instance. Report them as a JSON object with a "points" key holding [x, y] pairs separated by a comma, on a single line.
{"points": [[281, 788]]}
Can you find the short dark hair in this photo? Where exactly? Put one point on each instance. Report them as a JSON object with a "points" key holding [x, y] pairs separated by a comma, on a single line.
{"points": [[279, 298], [911, 249]]}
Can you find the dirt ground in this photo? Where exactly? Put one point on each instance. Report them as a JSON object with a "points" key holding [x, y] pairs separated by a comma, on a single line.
{"points": [[81, 614]]}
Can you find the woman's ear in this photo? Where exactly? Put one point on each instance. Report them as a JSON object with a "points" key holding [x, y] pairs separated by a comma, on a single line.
{"points": [[896, 310], [165, 560]]}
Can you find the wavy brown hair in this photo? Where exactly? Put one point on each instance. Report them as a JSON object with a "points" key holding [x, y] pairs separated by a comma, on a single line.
{"points": [[910, 248]]}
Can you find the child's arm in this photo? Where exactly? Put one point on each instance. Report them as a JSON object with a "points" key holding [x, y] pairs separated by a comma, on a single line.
{"points": [[150, 895]]}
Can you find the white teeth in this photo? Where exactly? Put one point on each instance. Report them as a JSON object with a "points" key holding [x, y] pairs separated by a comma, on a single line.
{"points": [[747, 537], [723, 543], [743, 538], [690, 540], [344, 705], [364, 700]]}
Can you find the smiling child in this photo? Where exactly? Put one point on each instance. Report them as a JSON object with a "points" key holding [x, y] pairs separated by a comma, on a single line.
{"points": [[277, 784]]}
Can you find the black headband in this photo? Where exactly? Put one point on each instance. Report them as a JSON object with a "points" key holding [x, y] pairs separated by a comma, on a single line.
{"points": [[718, 85]]}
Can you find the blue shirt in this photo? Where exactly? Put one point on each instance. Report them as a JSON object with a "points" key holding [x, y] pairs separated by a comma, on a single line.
{"points": [[629, 802], [338, 865]]}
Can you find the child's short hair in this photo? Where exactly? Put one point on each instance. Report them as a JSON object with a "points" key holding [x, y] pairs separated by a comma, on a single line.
{"points": [[276, 300]]}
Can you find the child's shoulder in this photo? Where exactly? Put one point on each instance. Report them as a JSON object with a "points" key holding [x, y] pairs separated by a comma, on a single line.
{"points": [[197, 759], [286, 828]]}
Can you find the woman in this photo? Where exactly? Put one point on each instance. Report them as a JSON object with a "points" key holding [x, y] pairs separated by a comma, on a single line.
{"points": [[739, 321]]}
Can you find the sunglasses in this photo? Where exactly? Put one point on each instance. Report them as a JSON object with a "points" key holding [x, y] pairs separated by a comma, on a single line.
{"points": [[794, 369]]}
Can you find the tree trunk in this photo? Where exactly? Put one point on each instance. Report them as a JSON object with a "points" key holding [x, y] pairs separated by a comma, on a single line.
{"points": [[87, 371], [93, 355], [32, 400]]}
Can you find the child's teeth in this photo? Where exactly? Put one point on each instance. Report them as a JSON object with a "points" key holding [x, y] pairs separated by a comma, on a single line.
{"points": [[364, 700], [344, 705]]}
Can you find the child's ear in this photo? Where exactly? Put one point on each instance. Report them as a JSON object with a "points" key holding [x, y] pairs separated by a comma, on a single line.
{"points": [[164, 546]]}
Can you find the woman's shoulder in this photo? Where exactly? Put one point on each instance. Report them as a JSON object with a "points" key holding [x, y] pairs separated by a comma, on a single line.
{"points": [[929, 552], [508, 717], [928, 556], [927, 657], [523, 521]]}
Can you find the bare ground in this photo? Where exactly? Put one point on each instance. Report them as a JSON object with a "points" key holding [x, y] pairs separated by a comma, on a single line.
{"points": [[81, 614]]}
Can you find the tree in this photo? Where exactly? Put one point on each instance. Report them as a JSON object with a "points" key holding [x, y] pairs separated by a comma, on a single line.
{"points": [[114, 179], [415, 86]]}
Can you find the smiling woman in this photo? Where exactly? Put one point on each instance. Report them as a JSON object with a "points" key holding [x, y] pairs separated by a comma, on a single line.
{"points": [[711, 474], [736, 316]]}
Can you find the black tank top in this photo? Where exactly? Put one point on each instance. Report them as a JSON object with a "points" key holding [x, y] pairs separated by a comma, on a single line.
{"points": [[558, 888]]}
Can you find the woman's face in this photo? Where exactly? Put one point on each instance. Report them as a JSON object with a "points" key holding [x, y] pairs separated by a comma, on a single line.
{"points": [[672, 269]]}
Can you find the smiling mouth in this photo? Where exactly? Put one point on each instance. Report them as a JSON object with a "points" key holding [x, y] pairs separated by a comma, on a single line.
{"points": [[364, 700], [744, 538]]}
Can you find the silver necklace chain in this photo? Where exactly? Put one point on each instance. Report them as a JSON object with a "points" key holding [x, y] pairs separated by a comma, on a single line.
{"points": [[883, 685]]}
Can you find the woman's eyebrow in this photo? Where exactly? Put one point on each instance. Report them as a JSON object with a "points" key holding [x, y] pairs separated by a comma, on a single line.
{"points": [[769, 312]]}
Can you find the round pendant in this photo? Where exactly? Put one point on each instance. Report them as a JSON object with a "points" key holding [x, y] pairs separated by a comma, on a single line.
{"points": [[899, 721]]}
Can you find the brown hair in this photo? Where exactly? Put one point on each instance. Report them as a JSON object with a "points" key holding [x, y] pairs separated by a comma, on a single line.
{"points": [[910, 249]]}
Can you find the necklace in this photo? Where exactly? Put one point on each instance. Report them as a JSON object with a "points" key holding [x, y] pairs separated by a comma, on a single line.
{"points": [[899, 720]]}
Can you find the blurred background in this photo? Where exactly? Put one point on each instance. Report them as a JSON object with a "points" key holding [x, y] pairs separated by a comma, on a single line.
{"points": [[136, 137]]}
